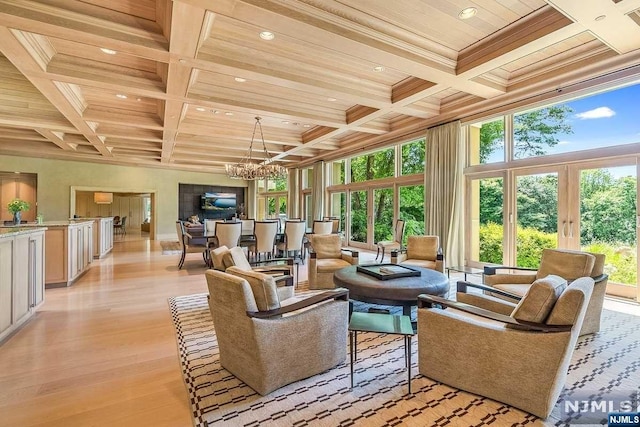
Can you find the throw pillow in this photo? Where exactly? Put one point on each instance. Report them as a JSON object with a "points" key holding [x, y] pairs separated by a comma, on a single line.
{"points": [[539, 300]]}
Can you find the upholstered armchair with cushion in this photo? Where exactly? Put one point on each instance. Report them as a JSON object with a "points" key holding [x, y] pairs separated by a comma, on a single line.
{"points": [[421, 251], [281, 269], [564, 263], [328, 256], [519, 359], [267, 342]]}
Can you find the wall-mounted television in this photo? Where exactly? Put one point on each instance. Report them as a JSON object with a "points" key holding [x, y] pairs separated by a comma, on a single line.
{"points": [[222, 202]]}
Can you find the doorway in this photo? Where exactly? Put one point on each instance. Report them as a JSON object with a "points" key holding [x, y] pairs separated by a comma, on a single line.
{"points": [[138, 206]]}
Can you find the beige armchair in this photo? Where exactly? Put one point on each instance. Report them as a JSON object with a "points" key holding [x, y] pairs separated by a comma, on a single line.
{"points": [[268, 343], [564, 263], [421, 251], [223, 258], [520, 359], [327, 256]]}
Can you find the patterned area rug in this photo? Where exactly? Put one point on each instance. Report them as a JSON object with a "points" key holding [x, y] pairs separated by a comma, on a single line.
{"points": [[605, 362], [170, 248]]}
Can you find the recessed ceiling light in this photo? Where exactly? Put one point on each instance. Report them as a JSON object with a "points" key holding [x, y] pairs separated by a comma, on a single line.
{"points": [[121, 95], [467, 13], [200, 108], [267, 35], [286, 122], [17, 172], [138, 99], [240, 79], [331, 99], [601, 17], [378, 69], [108, 51], [228, 113], [306, 125], [182, 61]]}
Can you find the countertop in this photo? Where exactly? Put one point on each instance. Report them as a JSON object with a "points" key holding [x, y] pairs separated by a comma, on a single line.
{"points": [[14, 231], [50, 224]]}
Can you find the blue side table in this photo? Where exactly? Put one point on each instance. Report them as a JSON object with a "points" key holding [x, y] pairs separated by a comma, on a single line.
{"points": [[382, 324]]}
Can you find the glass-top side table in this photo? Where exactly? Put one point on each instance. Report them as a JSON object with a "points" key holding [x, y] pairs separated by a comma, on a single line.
{"points": [[382, 324], [466, 270]]}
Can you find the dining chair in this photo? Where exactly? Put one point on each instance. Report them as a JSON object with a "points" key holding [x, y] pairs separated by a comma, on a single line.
{"points": [[293, 238], [228, 234], [187, 247], [265, 232]]}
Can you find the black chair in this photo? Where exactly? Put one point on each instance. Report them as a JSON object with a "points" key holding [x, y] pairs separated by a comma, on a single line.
{"points": [[121, 227]]}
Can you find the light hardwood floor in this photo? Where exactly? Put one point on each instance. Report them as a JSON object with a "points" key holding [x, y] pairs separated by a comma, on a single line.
{"points": [[103, 352]]}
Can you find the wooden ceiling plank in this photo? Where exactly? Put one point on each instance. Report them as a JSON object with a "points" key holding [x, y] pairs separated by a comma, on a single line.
{"points": [[525, 33], [56, 137], [40, 19], [615, 29], [360, 44], [24, 61], [186, 27]]}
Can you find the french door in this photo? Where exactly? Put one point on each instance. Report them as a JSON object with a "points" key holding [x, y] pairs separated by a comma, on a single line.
{"points": [[588, 206], [371, 216], [604, 219]]}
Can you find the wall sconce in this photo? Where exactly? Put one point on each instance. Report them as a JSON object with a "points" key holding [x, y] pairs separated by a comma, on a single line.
{"points": [[103, 198]]}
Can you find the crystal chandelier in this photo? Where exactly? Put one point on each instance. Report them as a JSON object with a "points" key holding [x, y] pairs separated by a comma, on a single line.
{"points": [[250, 170]]}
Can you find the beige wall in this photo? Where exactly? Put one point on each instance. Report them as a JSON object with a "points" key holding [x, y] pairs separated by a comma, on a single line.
{"points": [[56, 177]]}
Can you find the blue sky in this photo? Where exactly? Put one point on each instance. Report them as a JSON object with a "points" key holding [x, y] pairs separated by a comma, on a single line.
{"points": [[605, 119], [601, 120]]}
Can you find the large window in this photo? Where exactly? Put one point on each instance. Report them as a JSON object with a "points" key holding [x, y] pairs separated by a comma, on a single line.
{"points": [[589, 203], [486, 231], [412, 210], [379, 164], [486, 142]]}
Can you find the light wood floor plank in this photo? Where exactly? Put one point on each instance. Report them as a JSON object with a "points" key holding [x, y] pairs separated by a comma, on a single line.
{"points": [[103, 352]]}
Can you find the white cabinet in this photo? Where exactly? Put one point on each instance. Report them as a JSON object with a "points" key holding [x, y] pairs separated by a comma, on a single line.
{"points": [[102, 236], [80, 237], [21, 277]]}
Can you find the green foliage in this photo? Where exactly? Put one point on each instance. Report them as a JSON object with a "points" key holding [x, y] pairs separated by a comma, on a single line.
{"points": [[533, 132], [17, 205], [620, 261], [538, 202], [373, 166], [491, 200], [608, 208], [491, 138], [413, 157], [530, 243], [491, 243], [536, 130], [412, 210]]}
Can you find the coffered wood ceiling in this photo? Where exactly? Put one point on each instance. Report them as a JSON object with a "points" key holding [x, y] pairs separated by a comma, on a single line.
{"points": [[178, 64]]}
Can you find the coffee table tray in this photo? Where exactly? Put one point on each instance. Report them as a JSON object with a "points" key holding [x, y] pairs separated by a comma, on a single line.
{"points": [[387, 271]]}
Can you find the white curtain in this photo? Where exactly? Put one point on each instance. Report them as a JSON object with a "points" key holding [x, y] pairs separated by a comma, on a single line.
{"points": [[444, 186], [293, 194], [318, 190], [250, 208]]}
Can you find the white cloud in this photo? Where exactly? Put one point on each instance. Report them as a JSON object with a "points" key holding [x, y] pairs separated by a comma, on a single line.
{"points": [[564, 142], [596, 113]]}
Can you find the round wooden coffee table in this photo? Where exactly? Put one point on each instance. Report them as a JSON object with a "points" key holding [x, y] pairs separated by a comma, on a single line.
{"points": [[403, 291]]}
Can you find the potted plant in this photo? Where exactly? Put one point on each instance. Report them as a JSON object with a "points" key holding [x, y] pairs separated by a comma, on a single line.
{"points": [[16, 206]]}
